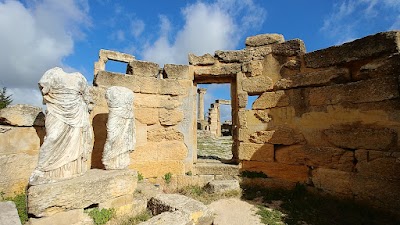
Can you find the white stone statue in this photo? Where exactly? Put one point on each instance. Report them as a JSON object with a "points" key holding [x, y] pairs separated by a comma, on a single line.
{"points": [[69, 135], [121, 135]]}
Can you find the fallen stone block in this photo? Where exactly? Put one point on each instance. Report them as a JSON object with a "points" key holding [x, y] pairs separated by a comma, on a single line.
{"points": [[264, 39], [203, 60], [22, 116], [9, 214], [221, 186], [197, 212], [169, 218], [94, 187]]}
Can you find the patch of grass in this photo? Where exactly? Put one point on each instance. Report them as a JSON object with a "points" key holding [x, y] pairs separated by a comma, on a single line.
{"points": [[253, 174], [198, 193], [270, 216], [140, 176], [144, 216], [20, 203], [101, 217], [299, 205], [167, 177]]}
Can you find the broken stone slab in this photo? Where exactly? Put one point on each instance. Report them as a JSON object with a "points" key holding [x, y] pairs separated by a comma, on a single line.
{"points": [[221, 186], [9, 214], [94, 187], [180, 72], [289, 48], [197, 212], [257, 85], [234, 56], [367, 47], [203, 60], [143, 69], [22, 115], [168, 218], [264, 39], [73, 217]]}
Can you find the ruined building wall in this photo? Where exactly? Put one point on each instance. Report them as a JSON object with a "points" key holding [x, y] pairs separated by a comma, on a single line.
{"points": [[165, 116], [328, 119]]}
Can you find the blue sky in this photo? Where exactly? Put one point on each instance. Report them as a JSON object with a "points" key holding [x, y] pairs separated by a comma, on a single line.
{"points": [[37, 35]]}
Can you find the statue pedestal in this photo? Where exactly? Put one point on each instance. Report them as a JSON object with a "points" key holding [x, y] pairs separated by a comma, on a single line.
{"points": [[96, 188]]}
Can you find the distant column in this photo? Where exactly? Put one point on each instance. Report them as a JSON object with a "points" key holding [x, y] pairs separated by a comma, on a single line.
{"points": [[201, 92]]}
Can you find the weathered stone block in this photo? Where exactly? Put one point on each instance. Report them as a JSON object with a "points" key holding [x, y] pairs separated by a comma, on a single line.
{"points": [[170, 117], [289, 173], [173, 87], [242, 99], [367, 47], [93, 187], [108, 79], [72, 217], [177, 72], [259, 53], [171, 150], [362, 138], [264, 39], [159, 168], [289, 48], [143, 69], [253, 68], [257, 152], [383, 167], [22, 115], [155, 101], [169, 134], [197, 212], [257, 85], [234, 56], [340, 185], [147, 115], [221, 186], [316, 78], [220, 70], [123, 205], [281, 136], [15, 140], [145, 152], [373, 90], [9, 214], [385, 66], [216, 169], [203, 60], [270, 100], [168, 218]]}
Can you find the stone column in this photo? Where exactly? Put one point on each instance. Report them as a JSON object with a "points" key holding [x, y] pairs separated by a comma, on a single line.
{"points": [[201, 92]]}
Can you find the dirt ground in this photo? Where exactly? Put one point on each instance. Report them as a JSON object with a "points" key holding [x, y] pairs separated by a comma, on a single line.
{"points": [[233, 211]]}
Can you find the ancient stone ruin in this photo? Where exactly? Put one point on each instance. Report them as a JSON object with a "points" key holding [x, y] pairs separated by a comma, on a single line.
{"points": [[327, 119]]}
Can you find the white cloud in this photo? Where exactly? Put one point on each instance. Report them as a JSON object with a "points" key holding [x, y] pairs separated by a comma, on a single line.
{"points": [[352, 19], [207, 27], [34, 38], [137, 28]]}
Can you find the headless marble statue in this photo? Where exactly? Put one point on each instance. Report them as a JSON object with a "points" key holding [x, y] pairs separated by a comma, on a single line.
{"points": [[69, 135], [121, 136]]}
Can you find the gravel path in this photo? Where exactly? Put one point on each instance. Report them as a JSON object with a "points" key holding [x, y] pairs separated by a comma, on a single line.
{"points": [[233, 211]]}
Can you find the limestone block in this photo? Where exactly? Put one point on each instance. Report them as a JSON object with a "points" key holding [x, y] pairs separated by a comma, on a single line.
{"points": [[171, 150], [147, 115], [174, 87], [123, 205], [364, 48], [15, 140], [143, 69], [145, 152], [197, 212], [383, 167], [148, 85], [270, 100], [259, 53], [333, 181], [234, 56], [173, 71], [168, 218], [384, 66], [72, 217], [154, 168], [362, 138], [203, 60], [108, 79], [216, 169], [280, 135], [253, 68], [220, 70], [257, 152], [9, 214], [170, 117], [289, 173], [169, 134], [94, 187], [155, 101], [15, 171], [221, 186], [242, 99], [22, 115], [116, 56], [373, 90], [264, 39], [257, 85], [289, 48], [315, 78]]}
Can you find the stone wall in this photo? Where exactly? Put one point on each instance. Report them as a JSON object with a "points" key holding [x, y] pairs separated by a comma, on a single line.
{"points": [[165, 117], [21, 134], [327, 119]]}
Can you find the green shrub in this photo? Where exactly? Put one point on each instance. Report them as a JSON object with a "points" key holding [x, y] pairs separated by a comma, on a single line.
{"points": [[167, 177], [253, 174], [140, 176], [20, 203], [101, 217], [144, 216], [270, 216]]}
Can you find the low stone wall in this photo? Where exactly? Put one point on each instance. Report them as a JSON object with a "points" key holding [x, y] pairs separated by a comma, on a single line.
{"points": [[165, 117], [21, 134]]}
